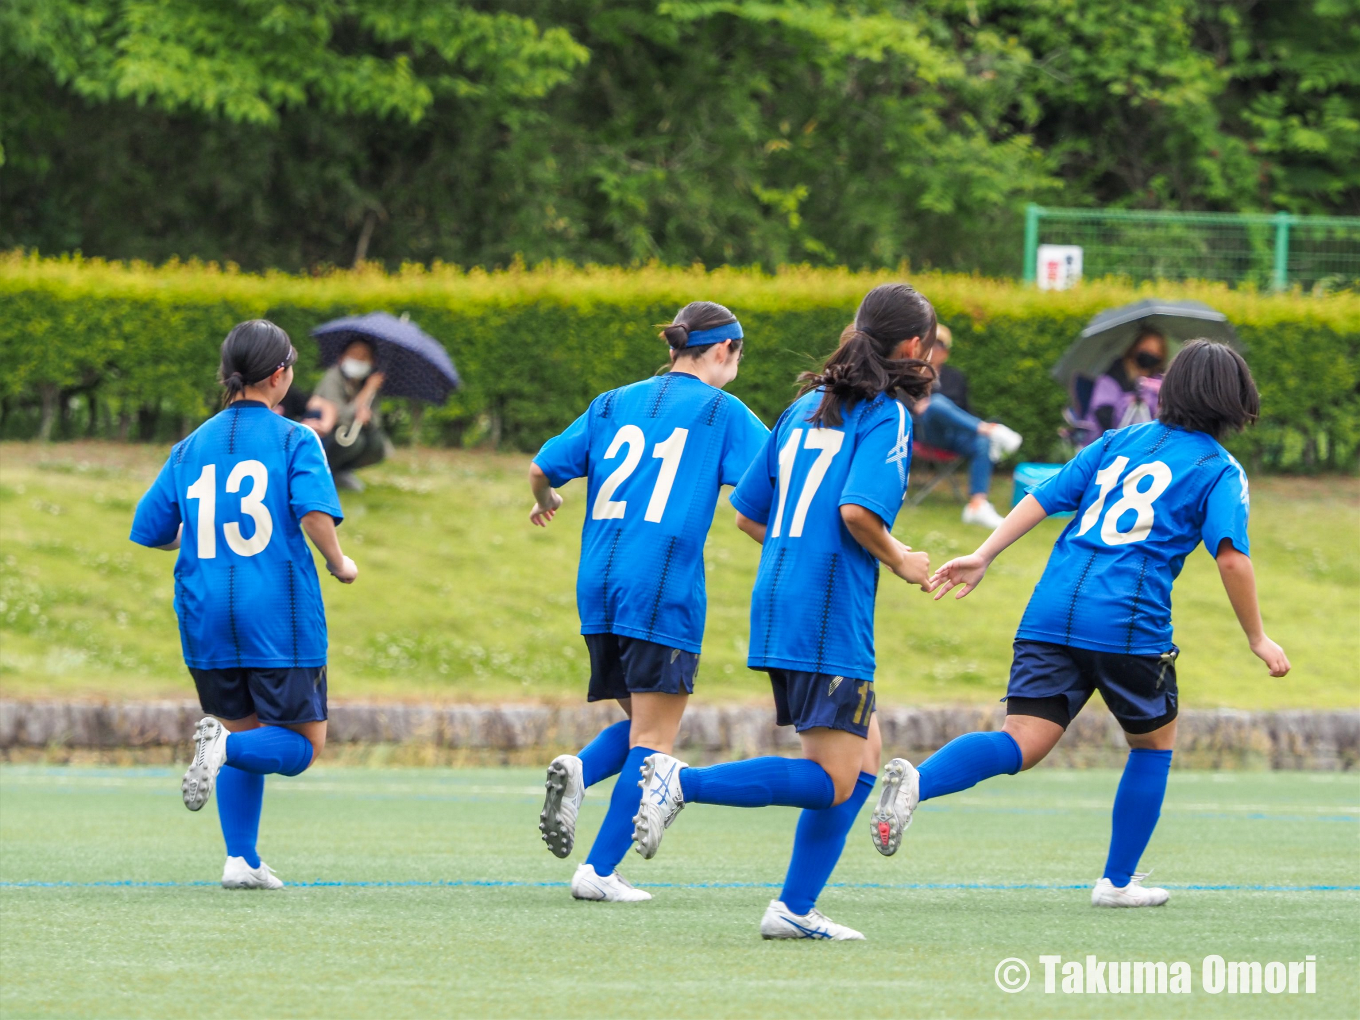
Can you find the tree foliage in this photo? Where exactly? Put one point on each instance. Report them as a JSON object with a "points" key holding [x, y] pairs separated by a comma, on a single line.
{"points": [[293, 133]]}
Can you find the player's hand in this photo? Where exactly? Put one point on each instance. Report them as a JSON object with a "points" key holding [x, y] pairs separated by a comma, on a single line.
{"points": [[963, 572], [1271, 654], [913, 567], [346, 572], [540, 515]]}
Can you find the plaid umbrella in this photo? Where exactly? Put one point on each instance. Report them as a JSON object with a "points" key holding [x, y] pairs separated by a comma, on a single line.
{"points": [[415, 364], [1109, 334]]}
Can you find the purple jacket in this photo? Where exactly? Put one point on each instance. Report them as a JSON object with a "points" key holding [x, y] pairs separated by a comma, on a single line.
{"points": [[1128, 407]]}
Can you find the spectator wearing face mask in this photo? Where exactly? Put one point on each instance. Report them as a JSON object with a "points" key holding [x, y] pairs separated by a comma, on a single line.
{"points": [[342, 411], [1127, 394]]}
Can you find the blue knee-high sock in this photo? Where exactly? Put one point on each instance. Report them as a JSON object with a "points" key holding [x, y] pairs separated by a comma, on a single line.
{"points": [[604, 756], [240, 795], [1137, 806], [616, 834], [269, 749], [967, 760], [760, 782], [818, 844]]}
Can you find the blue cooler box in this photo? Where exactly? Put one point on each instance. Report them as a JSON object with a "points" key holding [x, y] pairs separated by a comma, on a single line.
{"points": [[1027, 476]]}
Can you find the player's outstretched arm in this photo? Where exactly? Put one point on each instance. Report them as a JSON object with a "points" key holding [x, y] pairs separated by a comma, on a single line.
{"points": [[967, 572], [869, 531], [1239, 581], [547, 500], [753, 528], [320, 528]]}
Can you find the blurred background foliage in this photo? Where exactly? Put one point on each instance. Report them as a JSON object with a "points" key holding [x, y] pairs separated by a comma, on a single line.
{"points": [[301, 133]]}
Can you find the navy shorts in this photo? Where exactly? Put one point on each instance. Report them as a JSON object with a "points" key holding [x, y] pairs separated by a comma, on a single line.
{"points": [[1054, 682], [622, 666], [804, 700], [282, 696]]}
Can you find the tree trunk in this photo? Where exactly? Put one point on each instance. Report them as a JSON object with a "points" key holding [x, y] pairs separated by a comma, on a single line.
{"points": [[51, 397]]}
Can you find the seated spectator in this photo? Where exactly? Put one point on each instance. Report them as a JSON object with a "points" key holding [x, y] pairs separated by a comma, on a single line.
{"points": [[1127, 393], [943, 420], [342, 412]]}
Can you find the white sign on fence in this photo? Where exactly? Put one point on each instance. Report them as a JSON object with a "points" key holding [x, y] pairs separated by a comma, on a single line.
{"points": [[1059, 266]]}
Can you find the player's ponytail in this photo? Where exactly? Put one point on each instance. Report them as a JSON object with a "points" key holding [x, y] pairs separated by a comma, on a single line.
{"points": [[695, 327], [862, 366], [251, 353]]}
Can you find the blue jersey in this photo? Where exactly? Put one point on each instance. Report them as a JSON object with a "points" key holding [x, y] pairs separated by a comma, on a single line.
{"points": [[813, 604], [654, 455], [246, 590], [1144, 497]]}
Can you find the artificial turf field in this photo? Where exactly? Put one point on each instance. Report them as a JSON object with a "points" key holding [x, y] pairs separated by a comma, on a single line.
{"points": [[426, 892]]}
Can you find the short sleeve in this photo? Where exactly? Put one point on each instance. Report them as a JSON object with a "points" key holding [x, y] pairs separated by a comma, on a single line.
{"points": [[877, 479], [1064, 490], [1226, 509], [157, 520], [332, 388], [567, 456], [754, 494], [310, 485], [745, 439]]}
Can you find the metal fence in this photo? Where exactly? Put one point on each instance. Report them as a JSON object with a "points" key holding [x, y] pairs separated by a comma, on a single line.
{"points": [[1276, 251]]}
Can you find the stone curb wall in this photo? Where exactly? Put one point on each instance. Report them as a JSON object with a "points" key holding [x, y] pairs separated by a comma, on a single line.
{"points": [[1209, 738]]}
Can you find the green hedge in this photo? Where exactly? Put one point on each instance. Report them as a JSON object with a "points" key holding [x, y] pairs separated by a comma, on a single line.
{"points": [[133, 349]]}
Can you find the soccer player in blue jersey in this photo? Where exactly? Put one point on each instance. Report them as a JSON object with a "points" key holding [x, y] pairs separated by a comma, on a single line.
{"points": [[821, 499], [654, 455], [1100, 619], [235, 498]]}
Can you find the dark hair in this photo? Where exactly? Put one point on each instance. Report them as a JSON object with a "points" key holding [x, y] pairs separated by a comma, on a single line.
{"points": [[251, 353], [862, 366], [696, 316], [1208, 388]]}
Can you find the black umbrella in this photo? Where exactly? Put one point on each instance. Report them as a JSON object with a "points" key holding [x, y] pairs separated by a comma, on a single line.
{"points": [[1110, 333], [415, 364]]}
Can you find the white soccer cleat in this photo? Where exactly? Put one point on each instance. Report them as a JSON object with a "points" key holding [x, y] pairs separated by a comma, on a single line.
{"points": [[1135, 894], [210, 753], [1003, 442], [562, 804], [780, 922], [614, 888], [984, 514], [897, 800], [661, 801], [239, 875]]}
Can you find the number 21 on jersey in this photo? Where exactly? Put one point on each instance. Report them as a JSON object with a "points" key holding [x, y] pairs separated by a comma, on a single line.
{"points": [[252, 505], [1134, 498], [670, 450]]}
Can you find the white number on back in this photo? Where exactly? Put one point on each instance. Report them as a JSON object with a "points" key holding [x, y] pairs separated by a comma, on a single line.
{"points": [[828, 443], [670, 450], [1133, 498], [252, 505]]}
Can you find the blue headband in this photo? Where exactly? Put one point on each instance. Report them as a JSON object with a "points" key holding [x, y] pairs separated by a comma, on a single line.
{"points": [[704, 337]]}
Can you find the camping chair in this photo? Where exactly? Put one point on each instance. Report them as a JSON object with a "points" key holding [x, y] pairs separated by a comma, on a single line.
{"points": [[942, 466]]}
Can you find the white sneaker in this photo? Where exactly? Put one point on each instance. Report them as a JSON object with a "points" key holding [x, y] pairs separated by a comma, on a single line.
{"points": [[780, 922], [1004, 442], [984, 515], [210, 751], [587, 885], [900, 793], [661, 801], [557, 820], [239, 875], [1107, 894]]}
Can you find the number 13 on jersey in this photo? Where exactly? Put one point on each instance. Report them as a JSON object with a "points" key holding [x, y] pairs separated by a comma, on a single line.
{"points": [[252, 505]]}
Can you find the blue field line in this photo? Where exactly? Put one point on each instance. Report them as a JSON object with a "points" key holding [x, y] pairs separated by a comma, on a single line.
{"points": [[513, 883]]}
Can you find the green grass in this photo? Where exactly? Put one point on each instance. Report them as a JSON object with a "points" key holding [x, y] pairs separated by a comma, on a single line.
{"points": [[132, 924], [460, 599]]}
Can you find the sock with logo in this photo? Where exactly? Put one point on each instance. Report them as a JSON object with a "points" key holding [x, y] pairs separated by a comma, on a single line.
{"points": [[269, 749], [616, 834], [604, 756], [1137, 806], [817, 846], [240, 796], [760, 782], [967, 760]]}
